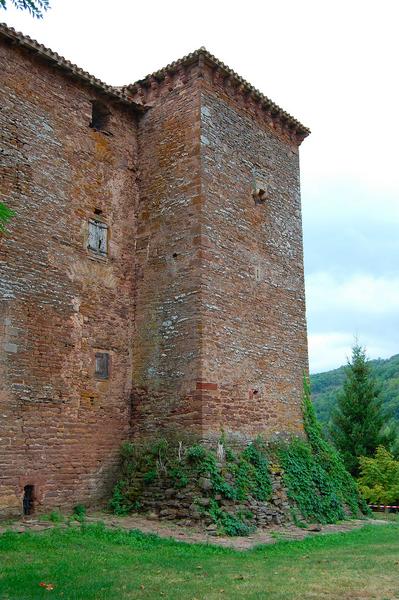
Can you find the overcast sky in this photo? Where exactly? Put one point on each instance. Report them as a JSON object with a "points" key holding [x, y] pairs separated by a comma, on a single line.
{"points": [[331, 64]]}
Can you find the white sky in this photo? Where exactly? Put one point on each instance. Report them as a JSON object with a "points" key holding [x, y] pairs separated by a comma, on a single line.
{"points": [[331, 64]]}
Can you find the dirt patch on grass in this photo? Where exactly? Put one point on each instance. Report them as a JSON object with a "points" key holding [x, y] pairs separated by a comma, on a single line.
{"points": [[195, 535]]}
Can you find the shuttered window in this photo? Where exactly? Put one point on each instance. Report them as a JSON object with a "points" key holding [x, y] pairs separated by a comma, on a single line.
{"points": [[102, 365], [98, 237]]}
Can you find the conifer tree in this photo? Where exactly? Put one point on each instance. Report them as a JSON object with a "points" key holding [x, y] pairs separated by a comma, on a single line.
{"points": [[357, 421]]}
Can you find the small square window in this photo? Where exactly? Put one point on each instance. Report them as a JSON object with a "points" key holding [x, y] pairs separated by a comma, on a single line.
{"points": [[102, 365], [98, 237], [100, 116]]}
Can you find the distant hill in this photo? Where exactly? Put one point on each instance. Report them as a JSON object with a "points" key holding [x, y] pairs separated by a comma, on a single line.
{"points": [[326, 385]]}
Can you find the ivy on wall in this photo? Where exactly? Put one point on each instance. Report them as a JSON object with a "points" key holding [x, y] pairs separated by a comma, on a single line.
{"points": [[5, 215], [317, 484], [226, 475]]}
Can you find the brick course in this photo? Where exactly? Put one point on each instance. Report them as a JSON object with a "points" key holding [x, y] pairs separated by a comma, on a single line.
{"points": [[200, 301], [60, 428]]}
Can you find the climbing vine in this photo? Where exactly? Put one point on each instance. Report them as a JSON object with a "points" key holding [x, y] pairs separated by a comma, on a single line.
{"points": [[5, 215], [227, 476], [317, 483]]}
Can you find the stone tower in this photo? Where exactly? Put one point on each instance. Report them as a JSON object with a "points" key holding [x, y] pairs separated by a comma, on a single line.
{"points": [[220, 339], [152, 277]]}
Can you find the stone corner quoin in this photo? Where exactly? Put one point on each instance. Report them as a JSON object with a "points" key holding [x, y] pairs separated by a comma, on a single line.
{"points": [[152, 278]]}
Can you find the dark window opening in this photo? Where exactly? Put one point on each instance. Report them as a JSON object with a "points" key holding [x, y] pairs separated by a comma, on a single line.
{"points": [[27, 502], [102, 365], [98, 237], [100, 116], [255, 392], [174, 254], [98, 211]]}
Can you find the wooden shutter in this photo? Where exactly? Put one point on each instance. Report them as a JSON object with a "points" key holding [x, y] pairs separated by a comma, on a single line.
{"points": [[102, 365], [92, 241], [98, 237], [102, 238]]}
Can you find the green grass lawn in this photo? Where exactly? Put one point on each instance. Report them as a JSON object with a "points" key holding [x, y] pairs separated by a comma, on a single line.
{"points": [[98, 563]]}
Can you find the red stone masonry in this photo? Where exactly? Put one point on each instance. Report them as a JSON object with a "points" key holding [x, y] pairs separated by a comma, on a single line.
{"points": [[238, 338], [198, 300], [60, 426]]}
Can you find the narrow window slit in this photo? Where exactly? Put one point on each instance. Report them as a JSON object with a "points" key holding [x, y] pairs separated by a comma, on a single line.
{"points": [[28, 504]]}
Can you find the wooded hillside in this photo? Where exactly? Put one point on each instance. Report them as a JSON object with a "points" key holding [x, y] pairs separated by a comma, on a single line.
{"points": [[326, 385]]}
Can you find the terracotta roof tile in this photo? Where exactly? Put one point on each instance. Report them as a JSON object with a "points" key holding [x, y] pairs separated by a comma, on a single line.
{"points": [[122, 93], [59, 61], [211, 59]]}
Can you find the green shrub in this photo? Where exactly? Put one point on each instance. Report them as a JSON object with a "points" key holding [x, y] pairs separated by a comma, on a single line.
{"points": [[233, 525], [56, 517], [179, 477], [120, 503], [379, 478], [196, 454], [230, 524], [79, 512]]}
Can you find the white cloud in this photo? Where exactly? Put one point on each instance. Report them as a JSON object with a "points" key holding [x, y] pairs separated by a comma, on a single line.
{"points": [[338, 310], [332, 349], [361, 294], [330, 64], [328, 350]]}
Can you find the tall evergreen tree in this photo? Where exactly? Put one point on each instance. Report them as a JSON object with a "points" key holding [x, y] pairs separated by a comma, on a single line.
{"points": [[357, 421]]}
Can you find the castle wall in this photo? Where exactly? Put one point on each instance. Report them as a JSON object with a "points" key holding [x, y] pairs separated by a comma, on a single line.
{"points": [[60, 426], [166, 361], [254, 349], [196, 296]]}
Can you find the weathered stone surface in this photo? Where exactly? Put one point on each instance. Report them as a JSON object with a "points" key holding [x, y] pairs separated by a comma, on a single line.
{"points": [[199, 301], [205, 484], [203, 501], [61, 427]]}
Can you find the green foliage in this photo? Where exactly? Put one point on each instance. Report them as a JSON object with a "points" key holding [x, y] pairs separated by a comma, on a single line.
{"points": [[230, 524], [318, 485], [79, 512], [150, 476], [357, 420], [120, 503], [179, 477], [254, 478], [35, 7], [379, 478], [315, 476], [5, 215], [239, 477], [55, 516], [196, 454], [325, 387]]}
